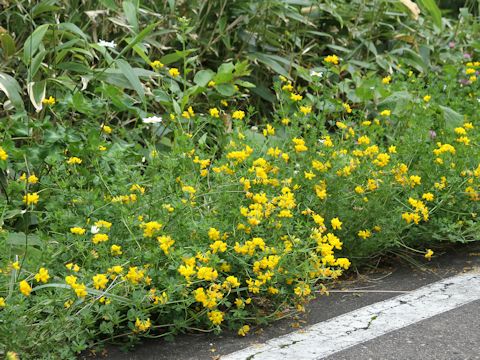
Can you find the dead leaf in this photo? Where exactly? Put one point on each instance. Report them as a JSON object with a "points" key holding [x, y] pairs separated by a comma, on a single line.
{"points": [[414, 9]]}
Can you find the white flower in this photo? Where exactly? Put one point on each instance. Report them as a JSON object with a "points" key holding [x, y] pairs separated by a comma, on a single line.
{"points": [[316, 73], [152, 120], [109, 44], [94, 229]]}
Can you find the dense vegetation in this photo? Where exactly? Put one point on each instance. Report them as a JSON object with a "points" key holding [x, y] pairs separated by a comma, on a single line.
{"points": [[169, 166]]}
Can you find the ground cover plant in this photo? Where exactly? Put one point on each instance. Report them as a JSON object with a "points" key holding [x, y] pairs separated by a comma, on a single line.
{"points": [[146, 196]]}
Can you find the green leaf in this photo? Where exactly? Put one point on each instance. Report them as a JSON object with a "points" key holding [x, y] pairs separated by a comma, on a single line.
{"points": [[145, 32], [130, 11], [452, 118], [10, 87], [225, 89], [19, 239], [33, 42], [132, 78], [7, 44], [396, 102], [36, 62], [36, 93], [203, 77], [177, 55], [432, 8], [74, 29], [270, 62]]}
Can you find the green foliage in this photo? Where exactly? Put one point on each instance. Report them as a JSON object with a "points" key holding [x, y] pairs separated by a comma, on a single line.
{"points": [[206, 165]]}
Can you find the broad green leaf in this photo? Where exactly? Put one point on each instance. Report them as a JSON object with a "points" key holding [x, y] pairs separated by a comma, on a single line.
{"points": [[137, 48], [225, 89], [10, 87], [132, 78], [130, 11], [272, 64], [36, 62], [397, 101], [33, 42], [7, 43], [203, 77], [74, 29], [19, 239], [36, 93], [433, 10], [177, 55], [452, 118]]}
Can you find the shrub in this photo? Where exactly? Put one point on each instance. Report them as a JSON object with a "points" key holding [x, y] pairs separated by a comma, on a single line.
{"points": [[108, 233]]}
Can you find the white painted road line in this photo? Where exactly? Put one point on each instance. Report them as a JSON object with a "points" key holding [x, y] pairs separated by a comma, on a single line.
{"points": [[356, 327]]}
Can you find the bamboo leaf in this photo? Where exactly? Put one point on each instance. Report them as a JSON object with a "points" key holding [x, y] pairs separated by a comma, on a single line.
{"points": [[10, 87], [132, 78]]}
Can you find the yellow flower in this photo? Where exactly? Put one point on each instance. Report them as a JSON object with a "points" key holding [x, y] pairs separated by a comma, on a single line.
{"points": [[214, 234], [211, 83], [347, 108], [386, 113], [116, 250], [98, 238], [77, 230], [106, 129], [80, 290], [296, 97], [42, 275], [343, 263], [72, 266], [74, 160], [269, 130], [428, 196], [207, 273], [31, 198], [428, 254], [386, 80], [2, 302], [100, 281], [302, 290], [32, 179], [364, 234], [285, 121], [142, 325], [336, 224], [238, 115], [174, 72], [332, 59], [214, 112], [50, 101], [218, 246], [156, 65], [25, 288], [305, 110], [3, 154], [165, 243], [216, 317], [150, 228], [244, 330], [16, 265], [427, 98]]}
